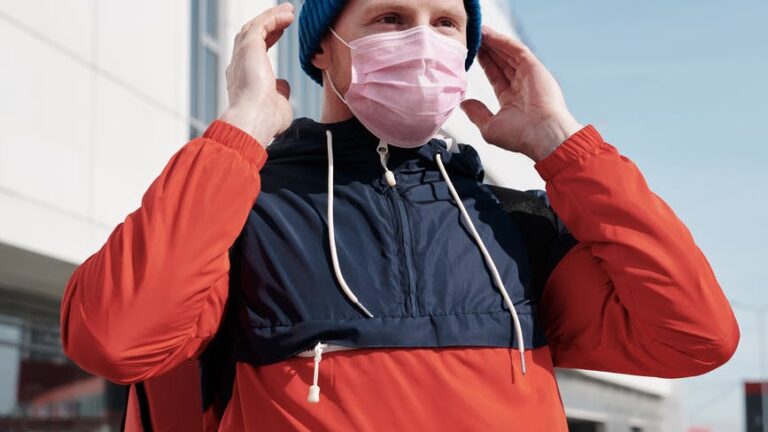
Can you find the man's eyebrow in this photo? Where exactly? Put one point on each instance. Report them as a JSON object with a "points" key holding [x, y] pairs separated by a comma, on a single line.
{"points": [[404, 6], [397, 6], [458, 15]]}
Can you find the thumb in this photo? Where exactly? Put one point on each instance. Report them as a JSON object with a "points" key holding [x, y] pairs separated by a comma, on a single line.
{"points": [[283, 88], [478, 113]]}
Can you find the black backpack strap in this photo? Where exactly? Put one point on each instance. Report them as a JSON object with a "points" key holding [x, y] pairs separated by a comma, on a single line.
{"points": [[127, 391], [217, 368], [546, 237], [143, 403], [144, 410], [217, 361]]}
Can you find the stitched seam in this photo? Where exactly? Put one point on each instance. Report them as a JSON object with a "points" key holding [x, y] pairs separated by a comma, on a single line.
{"points": [[395, 317]]}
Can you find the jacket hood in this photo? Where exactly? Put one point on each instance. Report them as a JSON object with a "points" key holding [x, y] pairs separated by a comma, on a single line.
{"points": [[305, 142]]}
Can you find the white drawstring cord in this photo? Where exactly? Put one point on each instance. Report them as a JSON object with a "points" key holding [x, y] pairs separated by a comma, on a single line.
{"points": [[314, 389], [488, 261], [332, 234]]}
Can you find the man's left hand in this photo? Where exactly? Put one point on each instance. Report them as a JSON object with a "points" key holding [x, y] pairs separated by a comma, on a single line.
{"points": [[533, 118]]}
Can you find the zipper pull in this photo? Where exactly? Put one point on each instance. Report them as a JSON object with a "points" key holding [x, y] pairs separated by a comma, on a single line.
{"points": [[384, 156], [314, 389]]}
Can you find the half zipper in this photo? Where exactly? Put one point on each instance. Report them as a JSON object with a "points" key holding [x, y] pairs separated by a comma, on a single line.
{"points": [[410, 302], [406, 242]]}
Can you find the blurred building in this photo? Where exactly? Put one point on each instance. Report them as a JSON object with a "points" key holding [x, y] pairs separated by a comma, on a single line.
{"points": [[97, 97], [756, 404]]}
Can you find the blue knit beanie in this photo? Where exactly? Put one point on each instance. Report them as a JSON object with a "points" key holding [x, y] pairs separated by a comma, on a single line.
{"points": [[317, 15]]}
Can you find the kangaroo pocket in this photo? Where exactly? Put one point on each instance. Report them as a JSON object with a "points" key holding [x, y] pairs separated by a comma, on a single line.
{"points": [[404, 252]]}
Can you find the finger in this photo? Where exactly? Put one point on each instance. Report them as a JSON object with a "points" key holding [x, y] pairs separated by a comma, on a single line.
{"points": [[491, 68], [238, 40], [269, 31], [496, 77], [268, 27], [514, 49], [277, 20], [274, 28], [478, 113], [507, 68], [262, 16], [283, 88], [273, 37], [503, 41]]}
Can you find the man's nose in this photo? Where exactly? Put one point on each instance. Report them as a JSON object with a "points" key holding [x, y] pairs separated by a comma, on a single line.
{"points": [[422, 19]]}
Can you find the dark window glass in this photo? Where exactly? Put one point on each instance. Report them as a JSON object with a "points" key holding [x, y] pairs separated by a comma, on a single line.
{"points": [[40, 389], [584, 426]]}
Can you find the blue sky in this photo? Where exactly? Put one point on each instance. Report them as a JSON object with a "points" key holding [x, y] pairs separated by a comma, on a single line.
{"points": [[681, 89]]}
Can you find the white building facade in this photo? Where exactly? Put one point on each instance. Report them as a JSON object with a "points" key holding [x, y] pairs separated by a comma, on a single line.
{"points": [[97, 97]]}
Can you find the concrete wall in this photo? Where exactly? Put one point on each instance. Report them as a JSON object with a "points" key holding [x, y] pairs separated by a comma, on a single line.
{"points": [[95, 101], [86, 123]]}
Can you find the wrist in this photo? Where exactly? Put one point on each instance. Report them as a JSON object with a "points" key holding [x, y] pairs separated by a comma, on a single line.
{"points": [[551, 134], [250, 122]]}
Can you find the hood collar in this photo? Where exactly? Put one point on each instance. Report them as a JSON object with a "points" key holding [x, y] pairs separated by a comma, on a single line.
{"points": [[305, 141]]}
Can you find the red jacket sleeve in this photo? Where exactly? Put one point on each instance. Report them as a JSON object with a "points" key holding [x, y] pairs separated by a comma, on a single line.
{"points": [[154, 293], [635, 294]]}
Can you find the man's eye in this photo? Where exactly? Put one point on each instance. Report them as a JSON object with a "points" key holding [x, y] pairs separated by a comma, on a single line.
{"points": [[389, 19], [446, 23]]}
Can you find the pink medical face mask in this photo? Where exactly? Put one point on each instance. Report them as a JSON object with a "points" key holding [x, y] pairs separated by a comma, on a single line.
{"points": [[405, 84]]}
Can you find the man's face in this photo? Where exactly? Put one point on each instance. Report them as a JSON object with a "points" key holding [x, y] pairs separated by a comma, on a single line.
{"points": [[361, 18]]}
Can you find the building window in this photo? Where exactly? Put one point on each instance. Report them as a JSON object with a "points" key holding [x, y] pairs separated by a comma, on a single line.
{"points": [[40, 389], [306, 95], [575, 425], [206, 49]]}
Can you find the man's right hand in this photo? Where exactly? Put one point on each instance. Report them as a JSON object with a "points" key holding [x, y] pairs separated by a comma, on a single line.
{"points": [[258, 103]]}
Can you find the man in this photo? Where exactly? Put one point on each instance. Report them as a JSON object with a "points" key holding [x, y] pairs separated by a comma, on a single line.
{"points": [[358, 276]]}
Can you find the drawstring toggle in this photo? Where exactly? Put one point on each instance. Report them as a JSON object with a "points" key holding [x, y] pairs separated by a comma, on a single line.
{"points": [[314, 389], [384, 157]]}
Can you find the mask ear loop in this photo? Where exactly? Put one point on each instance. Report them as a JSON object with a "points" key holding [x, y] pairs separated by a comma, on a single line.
{"points": [[339, 38], [342, 98], [333, 87]]}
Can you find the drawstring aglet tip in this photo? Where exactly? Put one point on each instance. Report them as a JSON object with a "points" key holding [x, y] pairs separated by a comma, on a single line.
{"points": [[314, 389], [314, 394], [522, 363], [390, 176], [364, 309]]}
